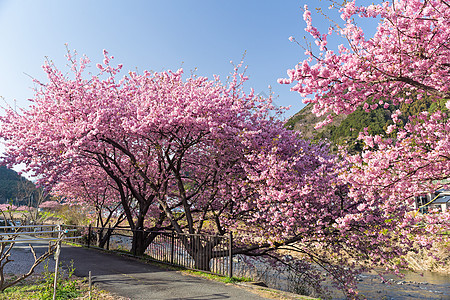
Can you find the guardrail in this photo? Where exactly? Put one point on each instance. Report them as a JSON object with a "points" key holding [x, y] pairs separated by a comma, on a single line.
{"points": [[11, 235], [35, 230]]}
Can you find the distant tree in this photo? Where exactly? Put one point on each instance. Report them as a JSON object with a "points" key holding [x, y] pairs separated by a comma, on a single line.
{"points": [[89, 186], [50, 204], [13, 186]]}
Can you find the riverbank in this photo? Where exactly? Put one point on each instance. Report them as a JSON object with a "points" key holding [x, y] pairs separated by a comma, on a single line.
{"points": [[413, 286], [428, 277], [437, 259]]}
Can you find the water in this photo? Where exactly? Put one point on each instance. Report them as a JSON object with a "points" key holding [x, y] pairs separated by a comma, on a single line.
{"points": [[413, 286], [429, 285], [425, 285]]}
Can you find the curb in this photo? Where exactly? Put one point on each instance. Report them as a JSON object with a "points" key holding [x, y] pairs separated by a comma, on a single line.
{"points": [[277, 294]]}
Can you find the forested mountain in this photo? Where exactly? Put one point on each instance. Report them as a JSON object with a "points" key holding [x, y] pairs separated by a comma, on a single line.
{"points": [[345, 129], [15, 188]]}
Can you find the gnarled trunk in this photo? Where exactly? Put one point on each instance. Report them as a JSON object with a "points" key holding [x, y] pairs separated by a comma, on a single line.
{"points": [[140, 241], [200, 251], [103, 237]]}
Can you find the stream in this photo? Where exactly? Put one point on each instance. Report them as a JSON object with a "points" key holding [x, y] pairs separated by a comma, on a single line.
{"points": [[413, 286], [424, 285]]}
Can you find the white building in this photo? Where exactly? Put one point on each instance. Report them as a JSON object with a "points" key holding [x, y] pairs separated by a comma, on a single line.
{"points": [[437, 200]]}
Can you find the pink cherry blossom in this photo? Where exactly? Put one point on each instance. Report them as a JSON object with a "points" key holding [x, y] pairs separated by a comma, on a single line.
{"points": [[50, 204], [406, 60]]}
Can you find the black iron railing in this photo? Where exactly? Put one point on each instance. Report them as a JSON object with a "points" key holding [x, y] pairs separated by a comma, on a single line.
{"points": [[209, 253]]}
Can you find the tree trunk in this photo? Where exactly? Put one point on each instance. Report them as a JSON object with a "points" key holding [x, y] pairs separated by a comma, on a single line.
{"points": [[201, 254], [103, 238], [141, 240], [137, 245]]}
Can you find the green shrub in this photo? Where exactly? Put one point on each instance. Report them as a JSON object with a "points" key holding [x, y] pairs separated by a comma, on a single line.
{"points": [[66, 288]]}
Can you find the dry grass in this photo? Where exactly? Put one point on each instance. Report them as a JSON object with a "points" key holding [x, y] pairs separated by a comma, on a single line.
{"points": [[423, 261]]}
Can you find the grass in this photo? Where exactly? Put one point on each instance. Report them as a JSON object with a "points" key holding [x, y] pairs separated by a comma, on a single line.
{"points": [[217, 277], [72, 244], [37, 288], [22, 291], [40, 286]]}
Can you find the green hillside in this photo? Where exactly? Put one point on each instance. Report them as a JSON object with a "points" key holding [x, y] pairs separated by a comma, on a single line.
{"points": [[344, 130], [14, 188]]}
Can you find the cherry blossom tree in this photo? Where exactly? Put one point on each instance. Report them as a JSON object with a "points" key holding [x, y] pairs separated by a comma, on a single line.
{"points": [[90, 186], [197, 156], [406, 60], [169, 144], [7, 207]]}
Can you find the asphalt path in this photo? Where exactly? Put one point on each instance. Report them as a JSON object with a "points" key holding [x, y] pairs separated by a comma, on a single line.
{"points": [[125, 276], [134, 279]]}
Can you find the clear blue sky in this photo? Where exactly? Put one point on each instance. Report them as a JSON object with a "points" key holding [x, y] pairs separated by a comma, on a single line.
{"points": [[154, 35]]}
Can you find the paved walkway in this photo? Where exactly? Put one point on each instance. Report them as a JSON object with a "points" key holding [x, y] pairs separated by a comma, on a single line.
{"points": [[136, 280], [131, 278]]}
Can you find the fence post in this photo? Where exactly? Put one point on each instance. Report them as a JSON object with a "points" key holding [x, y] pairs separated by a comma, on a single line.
{"points": [[230, 255], [172, 242], [109, 237], [57, 252], [89, 236], [134, 241]]}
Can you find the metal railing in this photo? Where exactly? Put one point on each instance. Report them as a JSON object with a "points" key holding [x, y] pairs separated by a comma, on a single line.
{"points": [[12, 234], [207, 253], [194, 251]]}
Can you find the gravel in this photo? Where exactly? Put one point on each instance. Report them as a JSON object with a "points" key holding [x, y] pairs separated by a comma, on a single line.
{"points": [[22, 259]]}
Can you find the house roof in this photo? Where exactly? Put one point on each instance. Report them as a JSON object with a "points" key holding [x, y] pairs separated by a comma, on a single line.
{"points": [[442, 199]]}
